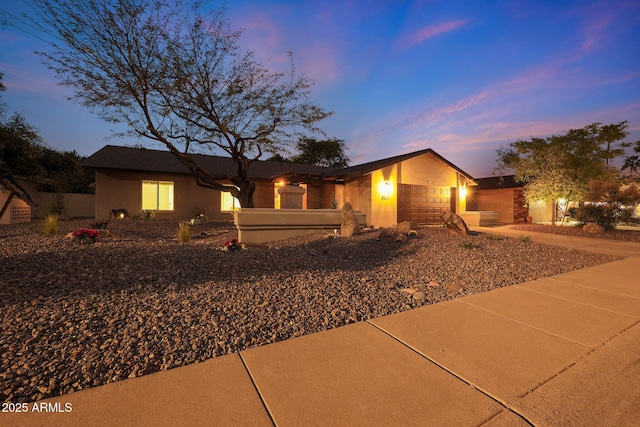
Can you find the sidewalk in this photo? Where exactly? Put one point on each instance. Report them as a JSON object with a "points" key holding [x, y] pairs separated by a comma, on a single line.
{"points": [[558, 351]]}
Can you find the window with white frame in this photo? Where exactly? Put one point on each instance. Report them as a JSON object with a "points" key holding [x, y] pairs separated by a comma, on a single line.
{"points": [[157, 195], [228, 203]]}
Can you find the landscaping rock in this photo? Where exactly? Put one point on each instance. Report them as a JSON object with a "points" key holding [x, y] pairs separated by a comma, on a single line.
{"points": [[154, 304], [593, 228], [405, 227], [391, 234], [419, 296], [455, 223], [350, 226]]}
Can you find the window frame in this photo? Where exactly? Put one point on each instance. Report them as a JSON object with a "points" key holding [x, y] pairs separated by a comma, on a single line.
{"points": [[157, 184]]}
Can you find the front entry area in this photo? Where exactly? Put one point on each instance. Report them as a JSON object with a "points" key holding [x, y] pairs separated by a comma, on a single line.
{"points": [[422, 204]]}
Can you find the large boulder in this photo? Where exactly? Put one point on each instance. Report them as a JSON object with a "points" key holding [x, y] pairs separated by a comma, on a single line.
{"points": [[455, 223], [593, 228], [349, 226], [405, 226], [391, 234]]}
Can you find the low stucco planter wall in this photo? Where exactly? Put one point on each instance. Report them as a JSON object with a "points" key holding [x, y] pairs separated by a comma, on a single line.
{"points": [[480, 218], [259, 225]]}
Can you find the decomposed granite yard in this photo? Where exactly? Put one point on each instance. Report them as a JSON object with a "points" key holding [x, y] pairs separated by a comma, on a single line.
{"points": [[77, 315]]}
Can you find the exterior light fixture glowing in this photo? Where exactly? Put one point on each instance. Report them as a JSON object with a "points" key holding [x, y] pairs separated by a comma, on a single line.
{"points": [[386, 190], [463, 193]]}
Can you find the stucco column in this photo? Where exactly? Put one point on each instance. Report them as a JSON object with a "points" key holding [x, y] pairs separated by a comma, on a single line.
{"points": [[291, 197]]}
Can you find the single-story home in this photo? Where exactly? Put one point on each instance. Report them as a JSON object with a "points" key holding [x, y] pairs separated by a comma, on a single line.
{"points": [[416, 186]]}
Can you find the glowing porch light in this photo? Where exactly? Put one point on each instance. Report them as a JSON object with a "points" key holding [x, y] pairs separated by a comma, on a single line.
{"points": [[463, 193], [386, 190]]}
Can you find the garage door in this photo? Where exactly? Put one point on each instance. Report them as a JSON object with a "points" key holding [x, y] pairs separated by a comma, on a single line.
{"points": [[422, 204]]}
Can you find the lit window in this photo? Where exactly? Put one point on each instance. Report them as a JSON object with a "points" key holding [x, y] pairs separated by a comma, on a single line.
{"points": [[157, 195], [228, 203]]}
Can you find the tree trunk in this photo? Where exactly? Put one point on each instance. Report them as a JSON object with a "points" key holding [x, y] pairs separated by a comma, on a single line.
{"points": [[554, 212], [245, 194]]}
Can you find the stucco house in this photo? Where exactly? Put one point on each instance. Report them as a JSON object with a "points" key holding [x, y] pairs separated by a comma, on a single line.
{"points": [[416, 186]]}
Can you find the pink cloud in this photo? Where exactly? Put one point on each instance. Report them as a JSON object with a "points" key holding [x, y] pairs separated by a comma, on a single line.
{"points": [[319, 63], [428, 32]]}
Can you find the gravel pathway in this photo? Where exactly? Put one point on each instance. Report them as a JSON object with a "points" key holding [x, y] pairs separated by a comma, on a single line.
{"points": [[77, 315]]}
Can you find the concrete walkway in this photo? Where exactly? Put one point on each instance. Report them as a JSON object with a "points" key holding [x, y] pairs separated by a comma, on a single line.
{"points": [[559, 351]]}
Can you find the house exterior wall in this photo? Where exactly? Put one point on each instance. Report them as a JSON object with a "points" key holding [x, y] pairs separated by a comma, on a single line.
{"points": [[123, 190], [264, 194], [427, 170], [358, 193], [499, 200], [319, 196], [384, 208]]}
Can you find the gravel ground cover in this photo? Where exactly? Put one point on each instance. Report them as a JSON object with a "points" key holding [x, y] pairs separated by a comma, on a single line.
{"points": [[77, 315], [572, 230]]}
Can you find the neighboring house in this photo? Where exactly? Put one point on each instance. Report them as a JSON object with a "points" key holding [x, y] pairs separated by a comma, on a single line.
{"points": [[417, 186], [502, 194]]}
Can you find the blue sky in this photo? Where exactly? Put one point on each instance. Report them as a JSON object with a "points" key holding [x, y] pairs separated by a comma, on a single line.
{"points": [[460, 77]]}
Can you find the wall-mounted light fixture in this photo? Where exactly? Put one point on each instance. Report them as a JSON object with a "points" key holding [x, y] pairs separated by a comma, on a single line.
{"points": [[386, 190], [463, 193]]}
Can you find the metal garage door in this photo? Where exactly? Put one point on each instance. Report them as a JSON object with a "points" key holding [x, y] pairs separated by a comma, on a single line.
{"points": [[422, 204]]}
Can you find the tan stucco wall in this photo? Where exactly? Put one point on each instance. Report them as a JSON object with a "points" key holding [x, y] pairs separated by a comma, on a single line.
{"points": [[497, 200], [541, 212], [319, 195], [358, 193], [427, 170], [264, 194], [384, 212], [123, 190]]}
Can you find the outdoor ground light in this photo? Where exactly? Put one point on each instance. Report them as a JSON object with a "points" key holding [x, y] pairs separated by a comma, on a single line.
{"points": [[386, 190]]}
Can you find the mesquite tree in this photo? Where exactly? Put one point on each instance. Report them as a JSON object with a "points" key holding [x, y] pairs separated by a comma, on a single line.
{"points": [[176, 75]]}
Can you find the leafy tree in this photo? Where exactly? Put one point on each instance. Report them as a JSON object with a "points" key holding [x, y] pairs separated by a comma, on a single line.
{"points": [[561, 166], [632, 163], [176, 75], [330, 152], [610, 138], [65, 173], [19, 155]]}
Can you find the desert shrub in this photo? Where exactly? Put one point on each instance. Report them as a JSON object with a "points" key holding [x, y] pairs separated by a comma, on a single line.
{"points": [[494, 237], [601, 214], [628, 216], [525, 239], [58, 206], [50, 225], [148, 213], [184, 232], [468, 244]]}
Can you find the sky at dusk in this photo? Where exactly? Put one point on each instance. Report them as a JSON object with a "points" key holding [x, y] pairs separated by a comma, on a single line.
{"points": [[460, 77]]}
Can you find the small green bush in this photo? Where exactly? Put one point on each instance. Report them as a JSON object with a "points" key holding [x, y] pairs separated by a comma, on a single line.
{"points": [[494, 237], [184, 232], [525, 239], [50, 225], [468, 244]]}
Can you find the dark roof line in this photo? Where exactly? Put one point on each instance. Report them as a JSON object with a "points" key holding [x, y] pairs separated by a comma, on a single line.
{"points": [[150, 160]]}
